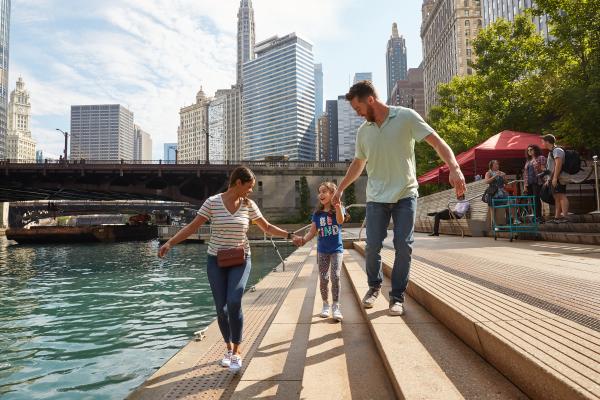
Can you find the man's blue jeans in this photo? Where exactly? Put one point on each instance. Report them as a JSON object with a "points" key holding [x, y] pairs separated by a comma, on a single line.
{"points": [[378, 218], [227, 286]]}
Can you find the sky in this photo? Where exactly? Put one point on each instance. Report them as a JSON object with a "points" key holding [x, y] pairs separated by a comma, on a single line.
{"points": [[152, 56]]}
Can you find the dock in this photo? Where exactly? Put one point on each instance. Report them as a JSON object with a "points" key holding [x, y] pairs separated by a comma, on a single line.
{"points": [[484, 319]]}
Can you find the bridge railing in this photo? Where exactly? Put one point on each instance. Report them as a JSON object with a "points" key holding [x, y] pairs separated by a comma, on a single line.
{"points": [[249, 163]]}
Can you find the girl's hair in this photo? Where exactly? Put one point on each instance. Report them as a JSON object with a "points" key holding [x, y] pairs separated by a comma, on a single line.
{"points": [[491, 164], [536, 151], [244, 174], [331, 187]]}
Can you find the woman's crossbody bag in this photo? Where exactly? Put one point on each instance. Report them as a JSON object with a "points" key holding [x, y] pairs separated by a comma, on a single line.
{"points": [[233, 257]]}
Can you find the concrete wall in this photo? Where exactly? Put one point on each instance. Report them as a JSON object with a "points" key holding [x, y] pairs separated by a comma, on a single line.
{"points": [[278, 196]]}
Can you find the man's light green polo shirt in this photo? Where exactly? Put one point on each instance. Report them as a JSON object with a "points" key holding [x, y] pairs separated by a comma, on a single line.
{"points": [[390, 154]]}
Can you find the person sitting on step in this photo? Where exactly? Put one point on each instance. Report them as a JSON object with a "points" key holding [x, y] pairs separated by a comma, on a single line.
{"points": [[461, 208]]}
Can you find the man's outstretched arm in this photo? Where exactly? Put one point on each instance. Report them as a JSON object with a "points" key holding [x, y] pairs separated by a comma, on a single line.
{"points": [[353, 173], [457, 180]]}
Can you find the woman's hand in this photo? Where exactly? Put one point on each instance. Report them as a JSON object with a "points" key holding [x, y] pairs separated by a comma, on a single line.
{"points": [[164, 249]]}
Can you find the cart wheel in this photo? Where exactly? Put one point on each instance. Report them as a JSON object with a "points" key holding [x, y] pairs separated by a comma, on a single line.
{"points": [[511, 239]]}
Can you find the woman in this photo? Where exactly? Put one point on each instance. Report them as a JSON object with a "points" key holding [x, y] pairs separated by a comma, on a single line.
{"points": [[533, 176], [496, 179], [230, 214]]}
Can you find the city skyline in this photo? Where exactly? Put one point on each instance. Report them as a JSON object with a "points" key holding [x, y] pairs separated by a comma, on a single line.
{"points": [[85, 61]]}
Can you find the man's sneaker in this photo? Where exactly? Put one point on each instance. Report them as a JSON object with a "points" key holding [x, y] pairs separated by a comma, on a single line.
{"points": [[226, 361], [325, 311], [396, 308], [236, 363], [369, 299], [561, 221], [337, 313]]}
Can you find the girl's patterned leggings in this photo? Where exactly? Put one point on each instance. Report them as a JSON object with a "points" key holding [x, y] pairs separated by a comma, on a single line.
{"points": [[325, 261]]}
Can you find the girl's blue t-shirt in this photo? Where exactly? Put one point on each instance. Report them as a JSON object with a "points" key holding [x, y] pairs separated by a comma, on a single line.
{"points": [[329, 233]]}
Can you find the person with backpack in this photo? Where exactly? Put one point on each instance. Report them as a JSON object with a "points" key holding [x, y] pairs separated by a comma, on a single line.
{"points": [[533, 176], [557, 160]]}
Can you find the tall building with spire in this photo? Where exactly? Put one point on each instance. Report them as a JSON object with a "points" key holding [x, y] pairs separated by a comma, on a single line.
{"points": [[245, 36], [4, 43], [19, 143], [395, 60]]}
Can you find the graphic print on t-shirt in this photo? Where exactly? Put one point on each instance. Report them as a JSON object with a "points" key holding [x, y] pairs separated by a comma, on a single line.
{"points": [[326, 226]]}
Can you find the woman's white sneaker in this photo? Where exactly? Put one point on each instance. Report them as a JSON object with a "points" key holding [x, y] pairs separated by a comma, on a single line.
{"points": [[325, 311], [236, 363], [337, 313], [226, 361]]}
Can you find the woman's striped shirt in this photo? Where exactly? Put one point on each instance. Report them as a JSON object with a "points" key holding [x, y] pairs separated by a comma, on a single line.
{"points": [[228, 230]]}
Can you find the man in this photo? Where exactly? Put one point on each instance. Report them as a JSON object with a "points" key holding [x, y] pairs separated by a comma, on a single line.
{"points": [[554, 165], [385, 145], [461, 208]]}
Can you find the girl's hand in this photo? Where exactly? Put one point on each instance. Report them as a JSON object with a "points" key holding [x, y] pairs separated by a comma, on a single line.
{"points": [[298, 241], [164, 249]]}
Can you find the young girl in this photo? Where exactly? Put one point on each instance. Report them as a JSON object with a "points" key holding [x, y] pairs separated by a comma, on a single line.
{"points": [[327, 223]]}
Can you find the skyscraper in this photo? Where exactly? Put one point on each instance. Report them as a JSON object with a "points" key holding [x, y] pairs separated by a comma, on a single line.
{"points": [[395, 59], [278, 99], [447, 31], [491, 10], [193, 127], [348, 124], [331, 109], [245, 36], [142, 144], [101, 132], [318, 90], [229, 125], [19, 143], [362, 76], [170, 153], [409, 92], [217, 127], [4, 44]]}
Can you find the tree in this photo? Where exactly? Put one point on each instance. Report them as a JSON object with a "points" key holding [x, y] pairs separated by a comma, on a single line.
{"points": [[575, 27], [304, 199], [356, 214]]}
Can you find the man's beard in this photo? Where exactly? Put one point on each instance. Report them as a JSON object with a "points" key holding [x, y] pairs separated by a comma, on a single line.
{"points": [[370, 114]]}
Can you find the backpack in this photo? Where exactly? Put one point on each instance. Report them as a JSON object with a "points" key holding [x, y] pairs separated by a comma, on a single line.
{"points": [[572, 164]]}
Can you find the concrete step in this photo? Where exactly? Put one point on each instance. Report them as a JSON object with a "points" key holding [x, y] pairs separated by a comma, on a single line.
{"points": [[545, 355], [582, 227], [571, 237], [423, 358], [585, 218], [304, 356]]}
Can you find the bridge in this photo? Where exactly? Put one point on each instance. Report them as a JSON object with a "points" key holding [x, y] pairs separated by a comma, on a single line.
{"points": [[23, 212], [190, 182]]}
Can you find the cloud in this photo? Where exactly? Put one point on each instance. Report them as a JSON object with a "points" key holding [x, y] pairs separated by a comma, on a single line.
{"points": [[150, 56]]}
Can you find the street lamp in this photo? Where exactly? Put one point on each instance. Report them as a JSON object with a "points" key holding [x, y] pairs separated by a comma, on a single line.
{"points": [[66, 135]]}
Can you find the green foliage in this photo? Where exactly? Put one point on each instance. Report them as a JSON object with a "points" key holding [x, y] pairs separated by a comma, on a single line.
{"points": [[305, 210], [356, 214], [524, 83]]}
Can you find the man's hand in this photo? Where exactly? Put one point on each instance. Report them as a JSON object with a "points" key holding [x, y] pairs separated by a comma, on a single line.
{"points": [[554, 182], [457, 180], [335, 200]]}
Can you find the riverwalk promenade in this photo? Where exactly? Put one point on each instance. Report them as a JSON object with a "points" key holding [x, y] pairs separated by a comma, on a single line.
{"points": [[484, 319]]}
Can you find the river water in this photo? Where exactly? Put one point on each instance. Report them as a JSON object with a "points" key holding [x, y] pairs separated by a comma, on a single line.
{"points": [[93, 321]]}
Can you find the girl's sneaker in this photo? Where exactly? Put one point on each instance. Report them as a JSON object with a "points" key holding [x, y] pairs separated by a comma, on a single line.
{"points": [[325, 311], [337, 313], [226, 361], [236, 363]]}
